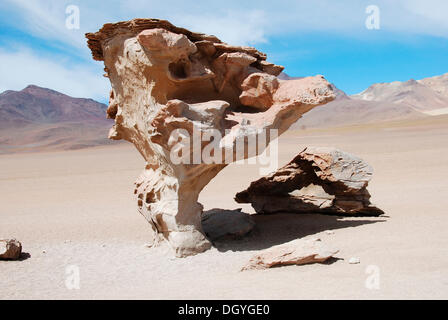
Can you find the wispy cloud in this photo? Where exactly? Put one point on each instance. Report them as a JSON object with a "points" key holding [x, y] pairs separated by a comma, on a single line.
{"points": [[241, 28], [44, 19], [422, 17], [244, 22], [22, 67], [248, 22]]}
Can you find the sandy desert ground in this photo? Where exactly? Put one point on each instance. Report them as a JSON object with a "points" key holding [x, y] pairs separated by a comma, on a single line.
{"points": [[77, 208]]}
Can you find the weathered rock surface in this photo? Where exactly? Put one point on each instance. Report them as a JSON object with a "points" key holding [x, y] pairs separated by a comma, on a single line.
{"points": [[296, 252], [322, 180], [10, 249], [219, 224], [170, 84]]}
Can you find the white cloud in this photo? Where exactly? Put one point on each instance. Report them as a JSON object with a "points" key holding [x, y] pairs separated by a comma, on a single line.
{"points": [[24, 67], [243, 22], [45, 19], [423, 17], [247, 22], [241, 28]]}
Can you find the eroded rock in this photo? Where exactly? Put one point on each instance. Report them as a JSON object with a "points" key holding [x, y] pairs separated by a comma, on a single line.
{"points": [[258, 90], [170, 84], [296, 252], [322, 180], [219, 224], [10, 249]]}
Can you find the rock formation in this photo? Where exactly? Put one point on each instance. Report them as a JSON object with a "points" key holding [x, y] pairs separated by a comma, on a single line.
{"points": [[10, 249], [219, 224], [321, 180], [296, 252], [170, 84]]}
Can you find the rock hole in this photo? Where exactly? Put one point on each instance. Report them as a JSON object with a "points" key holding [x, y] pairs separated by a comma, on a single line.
{"points": [[149, 197], [177, 69], [247, 109]]}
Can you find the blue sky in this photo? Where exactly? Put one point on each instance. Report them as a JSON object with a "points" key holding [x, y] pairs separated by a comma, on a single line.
{"points": [[307, 37]]}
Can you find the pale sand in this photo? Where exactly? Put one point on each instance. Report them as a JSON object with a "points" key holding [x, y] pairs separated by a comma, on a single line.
{"points": [[86, 197]]}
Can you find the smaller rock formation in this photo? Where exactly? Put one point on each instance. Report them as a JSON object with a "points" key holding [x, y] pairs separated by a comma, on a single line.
{"points": [[219, 224], [321, 180], [10, 249], [296, 252]]}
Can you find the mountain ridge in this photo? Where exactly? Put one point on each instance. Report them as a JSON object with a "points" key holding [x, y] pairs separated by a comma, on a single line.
{"points": [[37, 118], [34, 104], [423, 95], [381, 102]]}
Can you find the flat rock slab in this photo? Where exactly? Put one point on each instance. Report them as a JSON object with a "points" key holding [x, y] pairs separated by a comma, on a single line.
{"points": [[10, 249], [219, 224], [296, 252]]}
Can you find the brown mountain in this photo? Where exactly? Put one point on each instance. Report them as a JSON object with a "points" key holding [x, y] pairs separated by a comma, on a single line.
{"points": [[37, 118]]}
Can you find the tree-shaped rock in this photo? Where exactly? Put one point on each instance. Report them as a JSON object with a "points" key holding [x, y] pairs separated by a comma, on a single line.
{"points": [[186, 100]]}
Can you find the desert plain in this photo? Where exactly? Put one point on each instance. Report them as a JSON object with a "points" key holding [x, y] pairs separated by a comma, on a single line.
{"points": [[76, 208]]}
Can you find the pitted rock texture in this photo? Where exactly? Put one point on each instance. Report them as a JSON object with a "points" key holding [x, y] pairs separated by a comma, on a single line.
{"points": [[321, 180], [168, 84], [10, 249]]}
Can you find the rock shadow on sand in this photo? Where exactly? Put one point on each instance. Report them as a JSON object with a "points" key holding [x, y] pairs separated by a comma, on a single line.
{"points": [[280, 228]]}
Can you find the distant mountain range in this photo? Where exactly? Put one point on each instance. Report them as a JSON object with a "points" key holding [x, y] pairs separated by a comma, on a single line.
{"points": [[36, 118], [413, 99], [429, 95]]}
